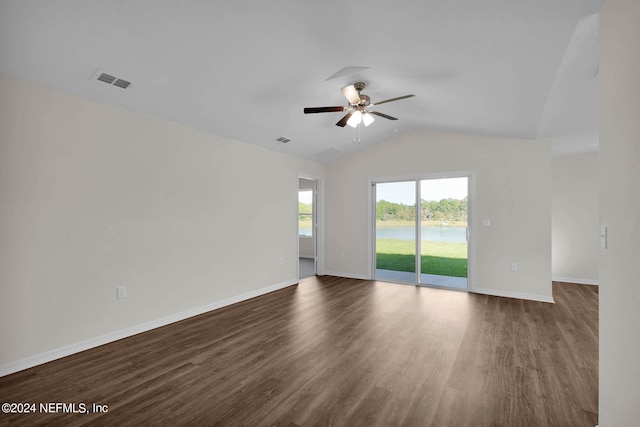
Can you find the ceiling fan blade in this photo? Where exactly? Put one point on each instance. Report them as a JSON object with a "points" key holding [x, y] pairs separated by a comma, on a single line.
{"points": [[352, 94], [393, 99], [343, 121], [309, 110], [386, 116]]}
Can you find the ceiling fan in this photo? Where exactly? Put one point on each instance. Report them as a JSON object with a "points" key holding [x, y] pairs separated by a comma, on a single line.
{"points": [[359, 108]]}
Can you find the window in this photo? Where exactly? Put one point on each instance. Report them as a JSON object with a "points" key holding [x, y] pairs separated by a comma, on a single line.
{"points": [[305, 213]]}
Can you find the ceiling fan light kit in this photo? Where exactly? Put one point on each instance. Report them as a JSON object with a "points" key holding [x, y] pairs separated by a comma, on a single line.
{"points": [[367, 119], [355, 119], [359, 108]]}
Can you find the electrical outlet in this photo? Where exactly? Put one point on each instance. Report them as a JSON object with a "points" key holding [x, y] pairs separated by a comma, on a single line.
{"points": [[514, 266], [122, 292]]}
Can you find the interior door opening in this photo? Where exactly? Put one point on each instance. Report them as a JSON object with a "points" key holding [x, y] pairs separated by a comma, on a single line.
{"points": [[307, 227], [428, 217]]}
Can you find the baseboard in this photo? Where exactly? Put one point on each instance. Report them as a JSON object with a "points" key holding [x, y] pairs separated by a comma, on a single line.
{"points": [[575, 280], [511, 294], [346, 275], [68, 350]]}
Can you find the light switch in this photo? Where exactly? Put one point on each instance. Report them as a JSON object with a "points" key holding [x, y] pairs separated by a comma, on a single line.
{"points": [[122, 292], [603, 236], [486, 222]]}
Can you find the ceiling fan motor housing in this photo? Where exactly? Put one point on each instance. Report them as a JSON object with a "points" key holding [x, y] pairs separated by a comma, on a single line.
{"points": [[364, 100], [359, 86]]}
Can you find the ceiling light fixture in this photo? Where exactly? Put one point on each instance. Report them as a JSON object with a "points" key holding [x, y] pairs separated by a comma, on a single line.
{"points": [[355, 119], [367, 119], [360, 117]]}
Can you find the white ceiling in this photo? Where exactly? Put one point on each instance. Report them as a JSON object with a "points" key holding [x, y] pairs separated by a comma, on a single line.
{"points": [[246, 69]]}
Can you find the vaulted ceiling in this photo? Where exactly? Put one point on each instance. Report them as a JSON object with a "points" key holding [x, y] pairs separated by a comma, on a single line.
{"points": [[246, 69]]}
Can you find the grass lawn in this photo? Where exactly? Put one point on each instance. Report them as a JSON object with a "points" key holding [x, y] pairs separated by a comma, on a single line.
{"points": [[444, 259]]}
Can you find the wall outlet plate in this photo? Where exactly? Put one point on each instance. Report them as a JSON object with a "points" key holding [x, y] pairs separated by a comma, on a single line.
{"points": [[122, 292]]}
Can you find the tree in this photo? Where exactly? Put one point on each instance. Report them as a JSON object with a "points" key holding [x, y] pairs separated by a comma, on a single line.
{"points": [[387, 210], [430, 210]]}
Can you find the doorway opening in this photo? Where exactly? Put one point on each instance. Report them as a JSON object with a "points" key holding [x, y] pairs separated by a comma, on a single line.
{"points": [[421, 231], [307, 227]]}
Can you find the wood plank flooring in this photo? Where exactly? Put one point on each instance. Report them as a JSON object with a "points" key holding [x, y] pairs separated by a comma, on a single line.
{"points": [[343, 352]]}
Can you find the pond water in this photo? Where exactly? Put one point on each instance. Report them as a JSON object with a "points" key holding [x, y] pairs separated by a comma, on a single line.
{"points": [[431, 234]]}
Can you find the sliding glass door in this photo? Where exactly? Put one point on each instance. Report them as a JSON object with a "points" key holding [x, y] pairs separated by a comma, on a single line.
{"points": [[395, 242], [444, 232], [426, 217]]}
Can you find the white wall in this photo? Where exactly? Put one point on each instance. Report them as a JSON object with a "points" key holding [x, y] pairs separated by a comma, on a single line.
{"points": [[513, 181], [575, 218], [94, 197], [619, 402]]}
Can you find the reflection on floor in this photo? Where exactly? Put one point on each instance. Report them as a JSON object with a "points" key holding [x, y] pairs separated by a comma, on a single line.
{"points": [[426, 279], [307, 267]]}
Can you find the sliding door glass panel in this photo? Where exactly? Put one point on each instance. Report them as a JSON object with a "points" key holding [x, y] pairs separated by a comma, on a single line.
{"points": [[443, 232], [396, 253]]}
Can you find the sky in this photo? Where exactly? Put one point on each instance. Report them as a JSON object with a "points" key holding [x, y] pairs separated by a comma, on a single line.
{"points": [[431, 189], [305, 196]]}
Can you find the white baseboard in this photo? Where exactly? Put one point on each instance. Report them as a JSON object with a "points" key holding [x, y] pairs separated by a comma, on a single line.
{"points": [[511, 294], [68, 350], [346, 275], [575, 280]]}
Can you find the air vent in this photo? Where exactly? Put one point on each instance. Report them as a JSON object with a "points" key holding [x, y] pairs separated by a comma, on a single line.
{"points": [[104, 77], [122, 83], [283, 140], [112, 80]]}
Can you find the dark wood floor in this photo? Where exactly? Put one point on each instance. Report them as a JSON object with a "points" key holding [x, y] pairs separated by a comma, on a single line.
{"points": [[335, 351]]}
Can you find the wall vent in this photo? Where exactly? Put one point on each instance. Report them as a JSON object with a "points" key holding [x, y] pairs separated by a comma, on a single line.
{"points": [[112, 80], [283, 140]]}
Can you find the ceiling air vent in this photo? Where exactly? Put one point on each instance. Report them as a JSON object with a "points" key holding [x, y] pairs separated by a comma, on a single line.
{"points": [[122, 83], [112, 80], [104, 77], [283, 140]]}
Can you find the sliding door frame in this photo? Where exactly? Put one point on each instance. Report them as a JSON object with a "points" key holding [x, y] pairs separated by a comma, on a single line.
{"points": [[471, 219]]}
